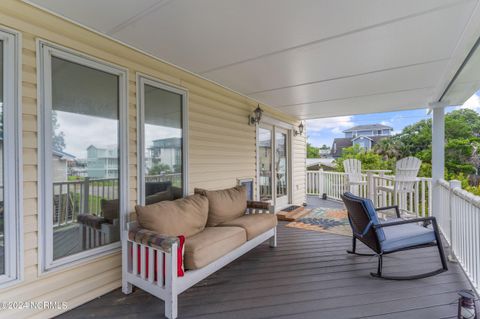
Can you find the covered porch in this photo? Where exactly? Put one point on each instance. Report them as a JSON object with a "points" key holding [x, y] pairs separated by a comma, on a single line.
{"points": [[308, 275], [161, 100]]}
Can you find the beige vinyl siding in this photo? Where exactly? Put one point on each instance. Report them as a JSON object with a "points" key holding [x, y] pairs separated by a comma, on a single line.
{"points": [[222, 148]]}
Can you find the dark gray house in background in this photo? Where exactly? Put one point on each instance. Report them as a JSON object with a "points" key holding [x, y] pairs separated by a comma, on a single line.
{"points": [[364, 135]]}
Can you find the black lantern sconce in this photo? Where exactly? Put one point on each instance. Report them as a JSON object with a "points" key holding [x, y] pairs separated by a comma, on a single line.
{"points": [[300, 130], [466, 305], [256, 116]]}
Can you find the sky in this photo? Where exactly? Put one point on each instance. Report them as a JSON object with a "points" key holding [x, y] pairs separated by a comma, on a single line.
{"points": [[323, 131]]}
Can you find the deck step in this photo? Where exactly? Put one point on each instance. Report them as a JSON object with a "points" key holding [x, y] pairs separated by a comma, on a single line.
{"points": [[293, 215]]}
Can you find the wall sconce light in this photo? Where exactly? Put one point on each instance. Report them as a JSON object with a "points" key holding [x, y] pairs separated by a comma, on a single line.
{"points": [[300, 130], [256, 116]]}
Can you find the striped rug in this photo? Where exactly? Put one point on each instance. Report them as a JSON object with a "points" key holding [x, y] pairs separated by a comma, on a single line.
{"points": [[322, 219]]}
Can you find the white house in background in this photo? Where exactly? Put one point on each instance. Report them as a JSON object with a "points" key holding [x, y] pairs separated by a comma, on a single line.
{"points": [[166, 151], [363, 135], [60, 165], [102, 162]]}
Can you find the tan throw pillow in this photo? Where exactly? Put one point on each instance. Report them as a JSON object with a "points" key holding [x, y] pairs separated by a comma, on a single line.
{"points": [[110, 209], [224, 205], [159, 197], [186, 216]]}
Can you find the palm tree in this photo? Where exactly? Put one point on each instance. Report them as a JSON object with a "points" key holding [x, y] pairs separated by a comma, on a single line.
{"points": [[388, 148]]}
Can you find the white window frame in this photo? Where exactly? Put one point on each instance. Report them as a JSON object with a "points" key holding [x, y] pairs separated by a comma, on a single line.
{"points": [[12, 156], [142, 80], [45, 52]]}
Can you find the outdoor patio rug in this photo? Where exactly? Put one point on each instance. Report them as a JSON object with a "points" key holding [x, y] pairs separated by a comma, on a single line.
{"points": [[325, 220]]}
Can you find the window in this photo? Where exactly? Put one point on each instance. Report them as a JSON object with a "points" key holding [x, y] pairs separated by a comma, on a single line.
{"points": [[10, 165], [84, 160], [162, 141]]}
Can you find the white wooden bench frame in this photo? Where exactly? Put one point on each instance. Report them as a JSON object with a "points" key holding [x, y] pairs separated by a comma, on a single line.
{"points": [[172, 285]]}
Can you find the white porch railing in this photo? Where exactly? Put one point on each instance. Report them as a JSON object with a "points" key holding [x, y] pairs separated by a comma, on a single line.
{"points": [[459, 220], [333, 184], [81, 197], [84, 197], [458, 215]]}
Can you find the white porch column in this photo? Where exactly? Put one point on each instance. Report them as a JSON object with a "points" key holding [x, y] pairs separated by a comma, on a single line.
{"points": [[438, 154]]}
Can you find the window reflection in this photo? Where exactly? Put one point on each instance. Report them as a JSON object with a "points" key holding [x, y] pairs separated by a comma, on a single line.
{"points": [[85, 160], [163, 145]]}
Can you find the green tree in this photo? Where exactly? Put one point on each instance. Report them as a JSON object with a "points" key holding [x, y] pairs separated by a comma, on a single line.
{"points": [[58, 137], [369, 159], [312, 151], [462, 128]]}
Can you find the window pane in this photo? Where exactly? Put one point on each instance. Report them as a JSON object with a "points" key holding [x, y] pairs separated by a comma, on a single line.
{"points": [[265, 162], [281, 163], [163, 145], [2, 160], [85, 161]]}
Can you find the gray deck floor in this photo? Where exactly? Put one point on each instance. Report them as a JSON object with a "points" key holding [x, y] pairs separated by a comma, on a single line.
{"points": [[308, 275]]}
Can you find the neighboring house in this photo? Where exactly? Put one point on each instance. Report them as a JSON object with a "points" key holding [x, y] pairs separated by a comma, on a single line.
{"points": [[78, 167], [324, 151], [102, 162], [327, 164], [166, 151], [61, 162], [363, 135]]}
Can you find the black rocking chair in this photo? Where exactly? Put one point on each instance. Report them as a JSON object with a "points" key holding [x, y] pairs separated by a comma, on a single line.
{"points": [[389, 237]]}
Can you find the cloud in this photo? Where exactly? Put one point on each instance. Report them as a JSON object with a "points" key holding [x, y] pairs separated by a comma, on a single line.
{"points": [[387, 123], [472, 103], [81, 131], [334, 124]]}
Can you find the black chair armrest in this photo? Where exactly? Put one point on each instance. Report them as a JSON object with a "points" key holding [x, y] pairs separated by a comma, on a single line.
{"points": [[91, 220], [408, 221], [397, 210]]}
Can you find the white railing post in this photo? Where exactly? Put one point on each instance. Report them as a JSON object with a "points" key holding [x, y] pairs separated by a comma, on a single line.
{"points": [[320, 182], [453, 184], [86, 194], [370, 186]]}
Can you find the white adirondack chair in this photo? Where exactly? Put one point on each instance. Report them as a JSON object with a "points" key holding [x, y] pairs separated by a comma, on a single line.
{"points": [[353, 169], [406, 172]]}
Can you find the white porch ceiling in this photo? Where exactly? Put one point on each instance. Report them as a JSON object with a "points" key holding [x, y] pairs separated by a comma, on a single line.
{"points": [[309, 58]]}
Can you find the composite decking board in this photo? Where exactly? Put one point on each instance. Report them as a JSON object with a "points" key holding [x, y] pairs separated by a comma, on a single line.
{"points": [[437, 312], [310, 276]]}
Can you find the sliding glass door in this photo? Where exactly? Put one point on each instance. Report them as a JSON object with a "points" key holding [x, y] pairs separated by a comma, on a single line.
{"points": [[265, 164], [281, 167], [273, 165]]}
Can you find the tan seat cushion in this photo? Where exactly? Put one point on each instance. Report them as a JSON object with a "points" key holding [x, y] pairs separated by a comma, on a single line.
{"points": [[254, 224], [211, 244], [186, 216], [224, 205]]}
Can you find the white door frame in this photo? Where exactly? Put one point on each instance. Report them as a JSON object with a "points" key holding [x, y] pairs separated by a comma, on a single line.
{"points": [[273, 125]]}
